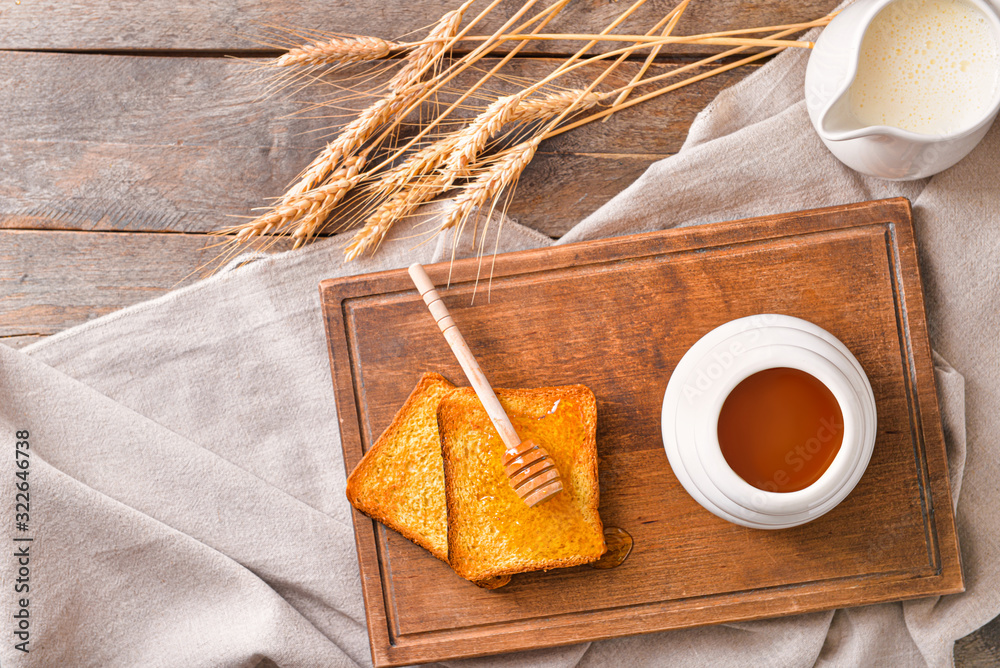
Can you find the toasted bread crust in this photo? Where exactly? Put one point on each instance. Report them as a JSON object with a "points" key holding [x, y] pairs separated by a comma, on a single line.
{"points": [[457, 410], [364, 477], [365, 490]]}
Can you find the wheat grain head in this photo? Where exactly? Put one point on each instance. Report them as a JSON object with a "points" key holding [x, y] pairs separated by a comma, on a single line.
{"points": [[337, 50]]}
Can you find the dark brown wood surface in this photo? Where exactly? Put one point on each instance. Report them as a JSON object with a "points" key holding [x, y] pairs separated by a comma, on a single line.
{"points": [[123, 121], [617, 315]]}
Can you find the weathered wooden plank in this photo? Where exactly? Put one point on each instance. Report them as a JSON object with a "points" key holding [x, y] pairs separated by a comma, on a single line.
{"points": [[234, 25], [980, 649], [559, 190], [52, 280], [185, 144]]}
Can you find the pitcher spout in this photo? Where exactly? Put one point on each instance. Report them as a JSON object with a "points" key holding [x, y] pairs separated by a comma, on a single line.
{"points": [[838, 122], [893, 93]]}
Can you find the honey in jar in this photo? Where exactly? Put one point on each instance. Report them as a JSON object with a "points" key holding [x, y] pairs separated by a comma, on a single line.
{"points": [[780, 429]]}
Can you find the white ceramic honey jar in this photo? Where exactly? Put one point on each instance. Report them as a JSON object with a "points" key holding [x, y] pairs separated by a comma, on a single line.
{"points": [[705, 377]]}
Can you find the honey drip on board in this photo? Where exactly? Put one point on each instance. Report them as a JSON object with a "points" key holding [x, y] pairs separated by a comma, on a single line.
{"points": [[619, 544]]}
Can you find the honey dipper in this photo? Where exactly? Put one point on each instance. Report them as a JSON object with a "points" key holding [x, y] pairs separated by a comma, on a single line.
{"points": [[531, 471]]}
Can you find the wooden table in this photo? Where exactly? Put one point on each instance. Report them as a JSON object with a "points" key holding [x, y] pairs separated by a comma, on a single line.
{"points": [[129, 131]]}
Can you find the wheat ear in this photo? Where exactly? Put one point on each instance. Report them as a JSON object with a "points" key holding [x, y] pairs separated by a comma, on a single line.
{"points": [[526, 110], [404, 188], [437, 40], [302, 208], [325, 199], [336, 151], [396, 207], [403, 93], [407, 193], [307, 202], [404, 90], [336, 160], [471, 139], [469, 59], [547, 106], [338, 50], [498, 175]]}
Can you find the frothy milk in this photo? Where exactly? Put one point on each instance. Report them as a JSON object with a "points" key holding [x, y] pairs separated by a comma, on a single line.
{"points": [[928, 66]]}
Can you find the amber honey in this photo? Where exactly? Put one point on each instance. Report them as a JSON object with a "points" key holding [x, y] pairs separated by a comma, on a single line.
{"points": [[780, 429], [619, 543]]}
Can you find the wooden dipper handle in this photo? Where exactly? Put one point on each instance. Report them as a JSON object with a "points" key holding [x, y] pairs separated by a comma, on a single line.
{"points": [[530, 469]]}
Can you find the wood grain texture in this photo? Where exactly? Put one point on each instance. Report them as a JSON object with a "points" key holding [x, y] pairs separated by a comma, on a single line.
{"points": [[980, 649], [185, 144], [234, 25], [50, 281], [617, 315]]}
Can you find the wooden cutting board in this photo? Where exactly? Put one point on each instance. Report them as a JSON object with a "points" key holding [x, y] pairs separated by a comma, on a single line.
{"points": [[617, 315]]}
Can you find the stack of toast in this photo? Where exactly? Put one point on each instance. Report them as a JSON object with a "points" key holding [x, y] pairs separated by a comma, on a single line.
{"points": [[436, 476]]}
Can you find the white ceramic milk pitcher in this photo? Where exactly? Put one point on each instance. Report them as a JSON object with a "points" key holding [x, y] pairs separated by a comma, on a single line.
{"points": [[881, 150]]}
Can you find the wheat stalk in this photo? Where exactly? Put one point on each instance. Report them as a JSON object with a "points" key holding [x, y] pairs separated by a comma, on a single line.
{"points": [[398, 191], [310, 195], [720, 38], [503, 171], [284, 216], [403, 92], [438, 40], [471, 139], [398, 206], [404, 88], [544, 17], [338, 50], [512, 162], [421, 163], [307, 201], [432, 156], [354, 134], [547, 106], [326, 198], [403, 188], [690, 66], [409, 189], [671, 22]]}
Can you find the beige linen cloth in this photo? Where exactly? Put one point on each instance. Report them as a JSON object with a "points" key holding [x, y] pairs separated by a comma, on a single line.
{"points": [[186, 480]]}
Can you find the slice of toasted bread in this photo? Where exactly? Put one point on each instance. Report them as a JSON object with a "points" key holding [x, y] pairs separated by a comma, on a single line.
{"points": [[400, 480], [491, 531]]}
